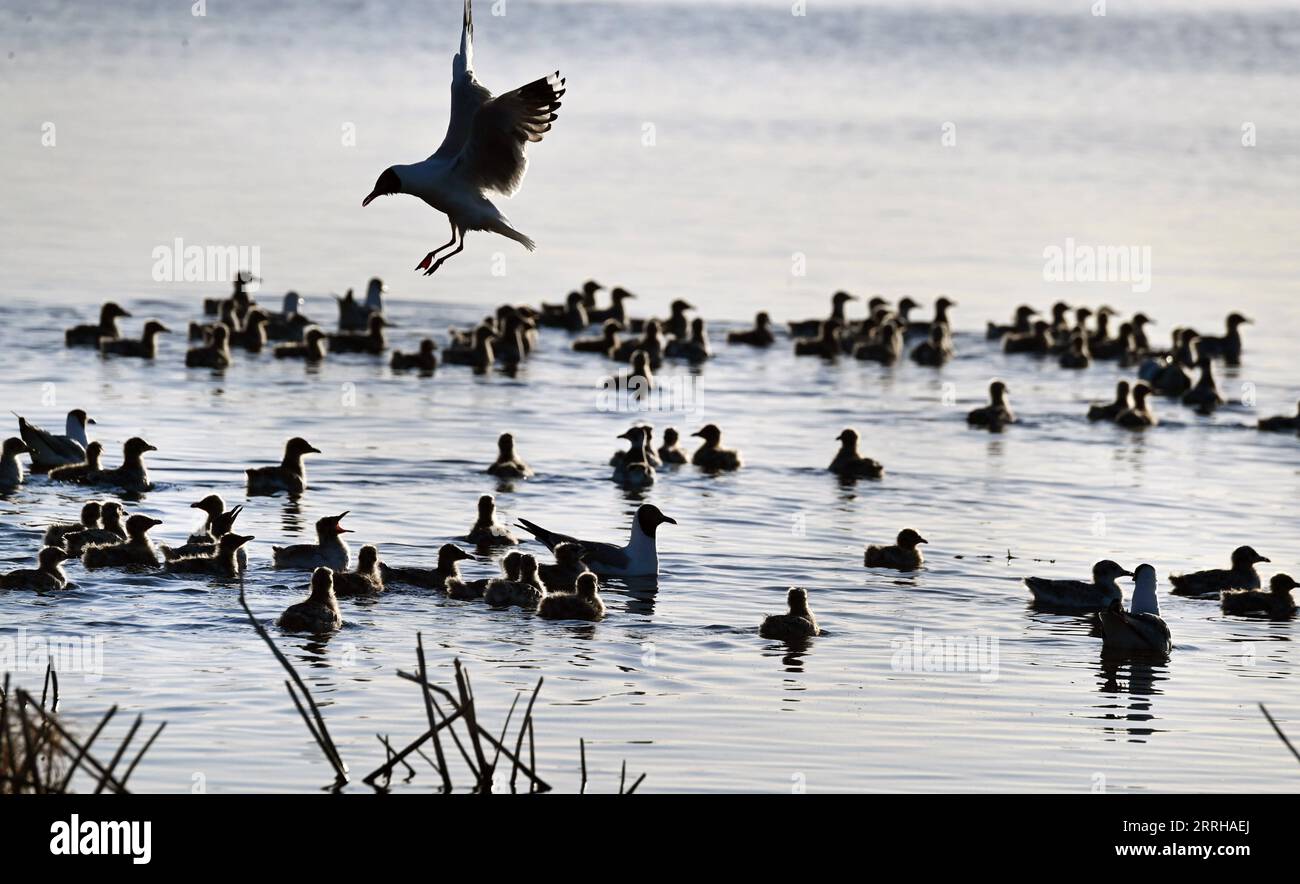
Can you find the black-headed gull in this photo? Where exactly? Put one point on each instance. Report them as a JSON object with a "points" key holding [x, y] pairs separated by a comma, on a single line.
{"points": [[50, 450], [483, 151], [1140, 629], [640, 558]]}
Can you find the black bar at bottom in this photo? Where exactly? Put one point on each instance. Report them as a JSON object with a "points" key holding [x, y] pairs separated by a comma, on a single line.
{"points": [[958, 831]]}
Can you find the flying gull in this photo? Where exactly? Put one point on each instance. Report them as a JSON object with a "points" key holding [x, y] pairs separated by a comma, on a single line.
{"points": [[482, 152]]}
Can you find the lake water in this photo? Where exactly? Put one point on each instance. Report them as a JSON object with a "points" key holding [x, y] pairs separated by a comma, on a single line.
{"points": [[745, 159]]}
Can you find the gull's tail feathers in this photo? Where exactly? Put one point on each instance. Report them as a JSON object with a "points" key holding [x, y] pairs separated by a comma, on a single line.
{"points": [[503, 227]]}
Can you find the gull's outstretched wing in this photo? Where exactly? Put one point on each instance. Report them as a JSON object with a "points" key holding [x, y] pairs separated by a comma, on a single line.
{"points": [[493, 155], [467, 93]]}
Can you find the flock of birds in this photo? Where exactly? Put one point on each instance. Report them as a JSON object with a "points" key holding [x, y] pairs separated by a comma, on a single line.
{"points": [[107, 536]]}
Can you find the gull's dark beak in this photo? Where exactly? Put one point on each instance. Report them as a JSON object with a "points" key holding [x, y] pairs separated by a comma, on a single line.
{"points": [[374, 193], [669, 519]]}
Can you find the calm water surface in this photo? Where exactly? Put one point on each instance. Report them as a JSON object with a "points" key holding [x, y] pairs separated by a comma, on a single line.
{"points": [[226, 131]]}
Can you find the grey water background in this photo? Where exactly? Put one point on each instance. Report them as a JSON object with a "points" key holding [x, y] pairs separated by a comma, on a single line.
{"points": [[704, 151]]}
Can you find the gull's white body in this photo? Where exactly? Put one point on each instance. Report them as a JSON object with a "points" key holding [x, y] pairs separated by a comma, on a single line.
{"points": [[1144, 599]]}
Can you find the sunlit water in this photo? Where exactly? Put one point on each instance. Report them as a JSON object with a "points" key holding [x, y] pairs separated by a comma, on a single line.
{"points": [[774, 138]]}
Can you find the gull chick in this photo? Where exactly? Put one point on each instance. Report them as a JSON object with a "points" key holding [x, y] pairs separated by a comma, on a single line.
{"points": [[319, 612], [1080, 595], [799, 623], [47, 575], [1241, 575], [1276, 603], [903, 556], [329, 549], [290, 475], [582, 604]]}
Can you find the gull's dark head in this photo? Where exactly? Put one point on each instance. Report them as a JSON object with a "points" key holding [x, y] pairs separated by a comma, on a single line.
{"points": [[909, 538], [330, 525], [322, 584], [1107, 569], [137, 526], [1282, 583], [449, 553], [231, 542], [368, 558], [299, 446], [224, 523], [388, 183], [568, 554], [213, 505], [49, 556], [650, 518], [136, 447], [510, 564], [1246, 557], [709, 433], [527, 566], [586, 585]]}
